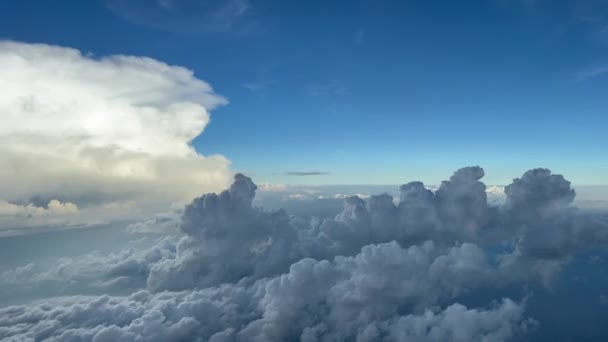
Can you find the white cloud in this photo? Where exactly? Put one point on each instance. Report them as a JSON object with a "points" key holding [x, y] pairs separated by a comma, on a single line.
{"points": [[102, 131], [270, 187], [343, 196], [54, 207], [296, 197], [56, 212], [495, 190]]}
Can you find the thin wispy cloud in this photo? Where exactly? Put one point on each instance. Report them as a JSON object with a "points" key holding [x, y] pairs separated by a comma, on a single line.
{"points": [[594, 72], [306, 173], [262, 78], [359, 37], [185, 15], [259, 85], [331, 88]]}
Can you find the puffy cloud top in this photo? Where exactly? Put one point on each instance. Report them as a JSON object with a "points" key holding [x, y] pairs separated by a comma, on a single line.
{"points": [[539, 191]]}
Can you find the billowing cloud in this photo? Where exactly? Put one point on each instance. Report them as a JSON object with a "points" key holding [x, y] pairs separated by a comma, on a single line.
{"points": [[116, 273], [589, 73], [161, 223], [377, 271], [235, 313], [547, 229], [361, 297], [113, 131]]}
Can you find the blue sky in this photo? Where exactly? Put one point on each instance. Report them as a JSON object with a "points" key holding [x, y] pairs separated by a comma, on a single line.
{"points": [[371, 92]]}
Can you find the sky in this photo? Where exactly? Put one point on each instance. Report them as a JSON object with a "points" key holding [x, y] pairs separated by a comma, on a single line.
{"points": [[314, 171], [367, 92]]}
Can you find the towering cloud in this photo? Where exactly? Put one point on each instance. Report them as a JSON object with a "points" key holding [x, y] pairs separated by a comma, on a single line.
{"points": [[538, 194], [548, 231], [456, 211], [110, 135], [227, 239]]}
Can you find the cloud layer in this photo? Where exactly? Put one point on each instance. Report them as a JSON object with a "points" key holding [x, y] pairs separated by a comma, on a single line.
{"points": [[381, 270], [112, 133]]}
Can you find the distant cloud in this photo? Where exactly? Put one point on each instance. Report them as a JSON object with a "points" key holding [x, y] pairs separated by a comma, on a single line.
{"points": [[343, 196], [184, 15], [15, 216], [161, 223], [270, 187], [54, 206], [296, 197], [306, 173]]}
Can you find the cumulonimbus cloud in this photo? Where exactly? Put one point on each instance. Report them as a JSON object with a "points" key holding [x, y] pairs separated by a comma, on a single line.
{"points": [[113, 131], [377, 271]]}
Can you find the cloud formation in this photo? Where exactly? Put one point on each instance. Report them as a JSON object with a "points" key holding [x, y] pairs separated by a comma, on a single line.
{"points": [[113, 131], [55, 212], [216, 315], [590, 73], [377, 271]]}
